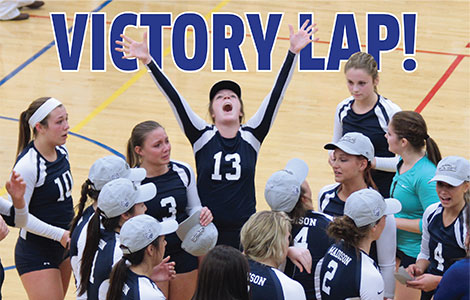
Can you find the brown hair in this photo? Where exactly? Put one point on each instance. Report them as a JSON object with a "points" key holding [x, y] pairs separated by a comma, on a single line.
{"points": [[344, 228], [24, 136], [87, 190], [411, 126], [231, 268], [299, 210], [118, 274], [363, 61], [138, 135]]}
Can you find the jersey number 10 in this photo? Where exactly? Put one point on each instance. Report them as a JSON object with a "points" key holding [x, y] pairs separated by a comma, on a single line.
{"points": [[64, 191]]}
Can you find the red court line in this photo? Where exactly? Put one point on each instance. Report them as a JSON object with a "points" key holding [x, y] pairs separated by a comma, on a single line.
{"points": [[439, 84], [286, 39]]}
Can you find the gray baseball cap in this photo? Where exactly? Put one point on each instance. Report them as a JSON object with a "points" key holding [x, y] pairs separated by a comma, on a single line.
{"points": [[119, 195], [453, 170], [197, 239], [354, 143], [282, 190], [367, 206], [112, 167], [139, 231]]}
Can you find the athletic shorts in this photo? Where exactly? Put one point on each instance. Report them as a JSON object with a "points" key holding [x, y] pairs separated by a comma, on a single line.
{"points": [[405, 260], [32, 256]]}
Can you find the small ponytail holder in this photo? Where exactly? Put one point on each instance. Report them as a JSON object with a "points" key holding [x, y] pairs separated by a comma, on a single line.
{"points": [[426, 136]]}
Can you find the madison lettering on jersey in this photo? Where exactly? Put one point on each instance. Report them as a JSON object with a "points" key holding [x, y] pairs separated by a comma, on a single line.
{"points": [[256, 279], [307, 221], [340, 255]]}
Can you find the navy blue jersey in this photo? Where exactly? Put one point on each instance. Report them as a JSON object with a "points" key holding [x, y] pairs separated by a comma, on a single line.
{"points": [[107, 255], [48, 189], [77, 245], [329, 202], [226, 166], [139, 287], [267, 283], [455, 284], [309, 232], [442, 245], [87, 213], [382, 251], [176, 198], [374, 125], [345, 272]]}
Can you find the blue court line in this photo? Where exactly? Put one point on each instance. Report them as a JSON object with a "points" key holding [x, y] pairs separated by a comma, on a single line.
{"points": [[79, 136], [40, 52], [115, 152]]}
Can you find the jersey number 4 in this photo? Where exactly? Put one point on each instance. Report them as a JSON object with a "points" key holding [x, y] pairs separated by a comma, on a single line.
{"points": [[235, 159]]}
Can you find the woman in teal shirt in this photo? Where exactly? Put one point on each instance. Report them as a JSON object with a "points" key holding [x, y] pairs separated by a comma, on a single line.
{"points": [[407, 136]]}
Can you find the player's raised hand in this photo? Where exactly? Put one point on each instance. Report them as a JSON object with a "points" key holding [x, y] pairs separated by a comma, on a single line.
{"points": [[134, 49], [16, 188], [303, 37]]}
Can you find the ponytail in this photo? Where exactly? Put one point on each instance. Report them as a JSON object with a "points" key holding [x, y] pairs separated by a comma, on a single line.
{"points": [[432, 151], [368, 177], [86, 191], [117, 279], [411, 126], [91, 246], [24, 135], [119, 273], [92, 242]]}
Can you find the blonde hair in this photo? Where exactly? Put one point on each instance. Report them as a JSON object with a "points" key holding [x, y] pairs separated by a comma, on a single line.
{"points": [[263, 236]]}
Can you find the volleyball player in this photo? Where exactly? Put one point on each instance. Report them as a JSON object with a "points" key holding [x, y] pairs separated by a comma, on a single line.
{"points": [[226, 151], [43, 162], [347, 270]]}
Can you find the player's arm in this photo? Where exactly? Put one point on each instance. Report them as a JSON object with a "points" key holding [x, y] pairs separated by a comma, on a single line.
{"points": [[264, 117], [386, 252], [33, 224], [190, 123], [194, 203]]}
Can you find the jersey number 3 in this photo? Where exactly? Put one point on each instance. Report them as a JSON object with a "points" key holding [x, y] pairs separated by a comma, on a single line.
{"points": [[235, 159]]}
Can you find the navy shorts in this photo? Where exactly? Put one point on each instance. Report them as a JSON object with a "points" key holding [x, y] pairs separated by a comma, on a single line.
{"points": [[405, 260], [32, 256]]}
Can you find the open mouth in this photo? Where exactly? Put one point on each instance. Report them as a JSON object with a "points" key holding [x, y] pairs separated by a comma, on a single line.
{"points": [[227, 107]]}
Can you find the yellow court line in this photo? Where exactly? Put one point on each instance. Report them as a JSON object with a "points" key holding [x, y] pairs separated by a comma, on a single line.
{"points": [[131, 81], [124, 87]]}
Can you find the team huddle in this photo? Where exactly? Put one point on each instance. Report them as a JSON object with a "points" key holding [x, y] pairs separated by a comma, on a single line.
{"points": [[394, 225]]}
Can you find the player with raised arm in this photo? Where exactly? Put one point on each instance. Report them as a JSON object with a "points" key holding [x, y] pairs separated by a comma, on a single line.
{"points": [[225, 151]]}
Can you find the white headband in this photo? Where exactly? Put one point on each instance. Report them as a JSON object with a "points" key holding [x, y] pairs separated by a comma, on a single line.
{"points": [[43, 110]]}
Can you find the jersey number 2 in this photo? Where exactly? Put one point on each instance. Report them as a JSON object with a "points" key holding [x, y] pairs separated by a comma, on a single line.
{"points": [[332, 266], [235, 158]]}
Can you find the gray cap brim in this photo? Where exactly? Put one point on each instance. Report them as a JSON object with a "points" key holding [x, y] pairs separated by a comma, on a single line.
{"points": [[447, 179]]}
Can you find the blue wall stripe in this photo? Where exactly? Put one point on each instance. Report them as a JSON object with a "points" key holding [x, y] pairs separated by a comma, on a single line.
{"points": [[40, 52]]}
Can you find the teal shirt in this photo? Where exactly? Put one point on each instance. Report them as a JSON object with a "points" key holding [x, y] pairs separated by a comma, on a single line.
{"points": [[415, 194]]}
